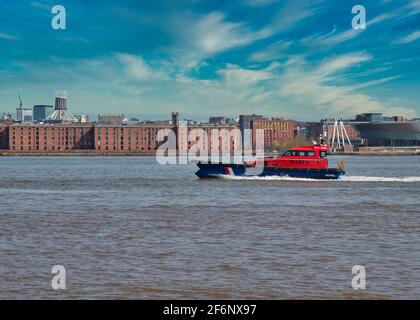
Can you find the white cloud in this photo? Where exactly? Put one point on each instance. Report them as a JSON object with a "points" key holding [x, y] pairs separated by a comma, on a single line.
{"points": [[234, 75], [295, 89], [312, 87], [414, 7], [333, 38], [137, 69], [199, 37], [291, 13], [128, 84], [373, 82], [339, 63], [6, 36], [45, 6], [408, 38], [215, 34], [382, 17], [274, 51]]}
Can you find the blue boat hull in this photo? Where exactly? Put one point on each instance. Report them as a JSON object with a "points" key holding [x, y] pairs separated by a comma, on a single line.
{"points": [[212, 170]]}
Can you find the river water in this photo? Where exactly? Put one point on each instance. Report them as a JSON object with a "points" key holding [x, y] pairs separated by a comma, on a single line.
{"points": [[127, 227]]}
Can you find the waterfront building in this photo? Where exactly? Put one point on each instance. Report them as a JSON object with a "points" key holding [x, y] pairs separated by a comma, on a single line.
{"points": [[142, 137], [127, 138], [4, 136], [49, 137], [277, 132], [225, 139], [394, 131]]}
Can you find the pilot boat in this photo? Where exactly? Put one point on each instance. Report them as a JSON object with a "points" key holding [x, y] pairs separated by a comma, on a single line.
{"points": [[308, 162]]}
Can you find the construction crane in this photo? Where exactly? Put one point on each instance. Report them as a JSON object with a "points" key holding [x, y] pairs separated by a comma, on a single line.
{"points": [[20, 100]]}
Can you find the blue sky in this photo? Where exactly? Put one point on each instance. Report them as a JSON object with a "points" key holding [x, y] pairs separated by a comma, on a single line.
{"points": [[295, 59]]}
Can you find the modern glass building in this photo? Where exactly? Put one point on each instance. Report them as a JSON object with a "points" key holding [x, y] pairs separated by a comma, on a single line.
{"points": [[41, 112]]}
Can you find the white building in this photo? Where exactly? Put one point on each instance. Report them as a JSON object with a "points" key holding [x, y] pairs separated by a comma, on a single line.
{"points": [[24, 114]]}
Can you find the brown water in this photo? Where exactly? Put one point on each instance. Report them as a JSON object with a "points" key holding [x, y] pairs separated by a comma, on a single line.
{"points": [[130, 228]]}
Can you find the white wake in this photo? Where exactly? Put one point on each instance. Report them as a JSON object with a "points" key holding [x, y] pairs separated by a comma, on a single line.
{"points": [[379, 179], [341, 179]]}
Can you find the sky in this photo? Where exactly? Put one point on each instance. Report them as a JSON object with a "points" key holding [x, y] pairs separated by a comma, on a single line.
{"points": [[288, 58]]}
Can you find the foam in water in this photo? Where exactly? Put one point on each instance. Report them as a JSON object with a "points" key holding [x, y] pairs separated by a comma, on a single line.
{"points": [[341, 179], [380, 179]]}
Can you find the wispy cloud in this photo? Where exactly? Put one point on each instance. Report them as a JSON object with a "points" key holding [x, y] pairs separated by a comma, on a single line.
{"points": [[277, 58], [6, 36], [414, 6], [313, 87], [330, 39], [292, 13], [297, 88], [46, 6], [334, 38], [408, 38], [136, 68], [273, 51], [339, 63], [198, 37], [374, 82], [234, 75]]}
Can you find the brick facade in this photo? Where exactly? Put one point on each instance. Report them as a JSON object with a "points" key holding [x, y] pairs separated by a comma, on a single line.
{"points": [[4, 137], [126, 138], [31, 137], [275, 131], [206, 137], [49, 138]]}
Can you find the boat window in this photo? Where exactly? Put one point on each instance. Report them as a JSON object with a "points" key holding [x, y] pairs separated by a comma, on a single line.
{"points": [[295, 153], [287, 153], [322, 154]]}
